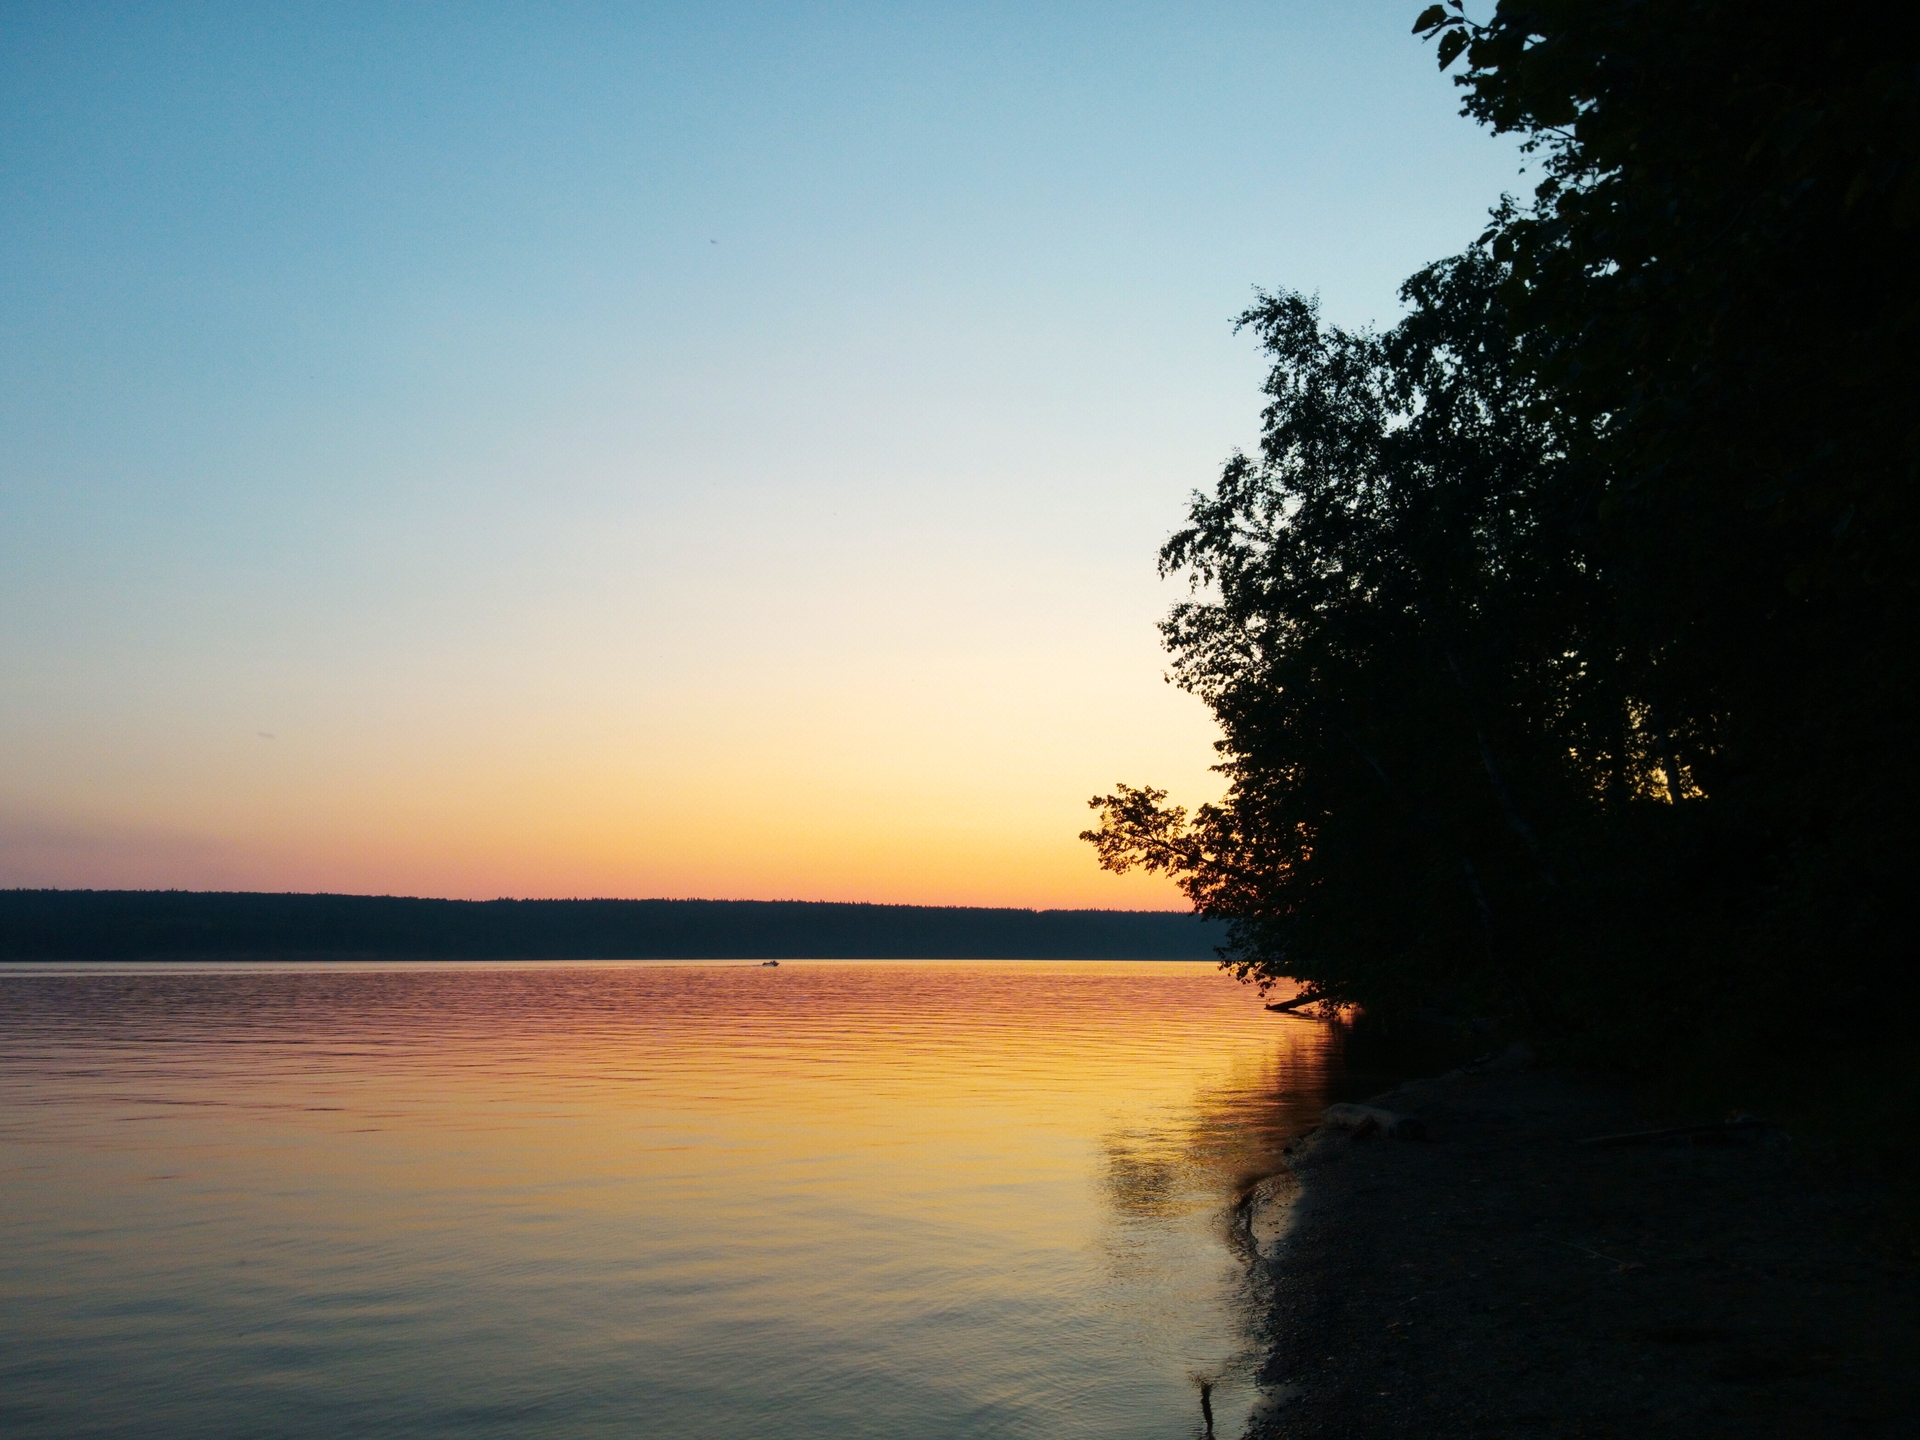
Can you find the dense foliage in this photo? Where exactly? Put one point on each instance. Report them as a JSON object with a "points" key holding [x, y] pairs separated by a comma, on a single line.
{"points": [[1563, 637]]}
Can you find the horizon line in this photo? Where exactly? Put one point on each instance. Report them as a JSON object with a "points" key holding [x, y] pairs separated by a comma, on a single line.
{"points": [[594, 900]]}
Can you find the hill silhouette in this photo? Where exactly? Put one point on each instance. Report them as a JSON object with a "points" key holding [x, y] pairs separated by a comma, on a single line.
{"points": [[178, 924]]}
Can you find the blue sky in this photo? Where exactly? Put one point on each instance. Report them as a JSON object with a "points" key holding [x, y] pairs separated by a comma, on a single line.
{"points": [[589, 449]]}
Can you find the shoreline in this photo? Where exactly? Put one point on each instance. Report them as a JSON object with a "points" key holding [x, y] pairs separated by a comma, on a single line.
{"points": [[1499, 1279]]}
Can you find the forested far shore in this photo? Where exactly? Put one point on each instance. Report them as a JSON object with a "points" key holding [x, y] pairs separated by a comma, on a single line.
{"points": [[179, 924]]}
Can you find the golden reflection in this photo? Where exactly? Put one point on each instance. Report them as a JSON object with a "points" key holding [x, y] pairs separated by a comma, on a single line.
{"points": [[928, 1173]]}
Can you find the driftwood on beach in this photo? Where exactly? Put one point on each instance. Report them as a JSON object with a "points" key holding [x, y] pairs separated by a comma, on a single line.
{"points": [[1361, 1121], [1722, 1132], [1287, 1007]]}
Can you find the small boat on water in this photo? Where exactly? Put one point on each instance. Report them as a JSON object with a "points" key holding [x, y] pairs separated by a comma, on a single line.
{"points": [[765, 963]]}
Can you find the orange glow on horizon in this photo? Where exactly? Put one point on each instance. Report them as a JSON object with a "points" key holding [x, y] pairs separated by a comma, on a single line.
{"points": [[962, 797]]}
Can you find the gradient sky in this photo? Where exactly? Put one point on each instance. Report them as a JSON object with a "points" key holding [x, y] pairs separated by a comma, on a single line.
{"points": [[691, 450]]}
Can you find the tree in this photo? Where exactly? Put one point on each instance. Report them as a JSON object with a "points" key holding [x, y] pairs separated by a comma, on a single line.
{"points": [[1718, 269], [1399, 626], [1563, 637]]}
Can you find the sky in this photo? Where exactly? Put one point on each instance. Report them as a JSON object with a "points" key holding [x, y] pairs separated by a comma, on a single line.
{"points": [[649, 450]]}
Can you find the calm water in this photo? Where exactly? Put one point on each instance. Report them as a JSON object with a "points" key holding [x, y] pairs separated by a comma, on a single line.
{"points": [[824, 1200]]}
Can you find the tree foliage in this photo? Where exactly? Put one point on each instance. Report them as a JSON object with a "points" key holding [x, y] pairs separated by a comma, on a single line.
{"points": [[1562, 637]]}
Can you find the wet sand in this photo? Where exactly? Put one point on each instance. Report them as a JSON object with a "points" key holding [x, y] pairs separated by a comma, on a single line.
{"points": [[1499, 1279]]}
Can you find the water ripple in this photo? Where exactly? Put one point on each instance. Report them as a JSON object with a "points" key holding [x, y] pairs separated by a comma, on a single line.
{"points": [[907, 1200]]}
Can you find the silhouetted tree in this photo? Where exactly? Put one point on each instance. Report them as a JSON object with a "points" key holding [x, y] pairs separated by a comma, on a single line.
{"points": [[1563, 636], [1718, 268], [1401, 630]]}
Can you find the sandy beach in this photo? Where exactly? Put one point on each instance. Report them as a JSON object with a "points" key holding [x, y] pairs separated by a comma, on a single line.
{"points": [[1502, 1279]]}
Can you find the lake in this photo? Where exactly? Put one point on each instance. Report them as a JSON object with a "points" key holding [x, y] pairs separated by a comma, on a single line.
{"points": [[901, 1200]]}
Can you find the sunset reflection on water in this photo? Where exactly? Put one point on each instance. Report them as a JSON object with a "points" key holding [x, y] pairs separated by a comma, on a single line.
{"points": [[823, 1199]]}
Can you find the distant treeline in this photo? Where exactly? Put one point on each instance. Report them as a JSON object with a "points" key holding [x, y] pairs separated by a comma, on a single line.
{"points": [[164, 924]]}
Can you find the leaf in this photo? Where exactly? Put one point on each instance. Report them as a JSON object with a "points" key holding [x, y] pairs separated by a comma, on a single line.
{"points": [[1451, 44], [1430, 17]]}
